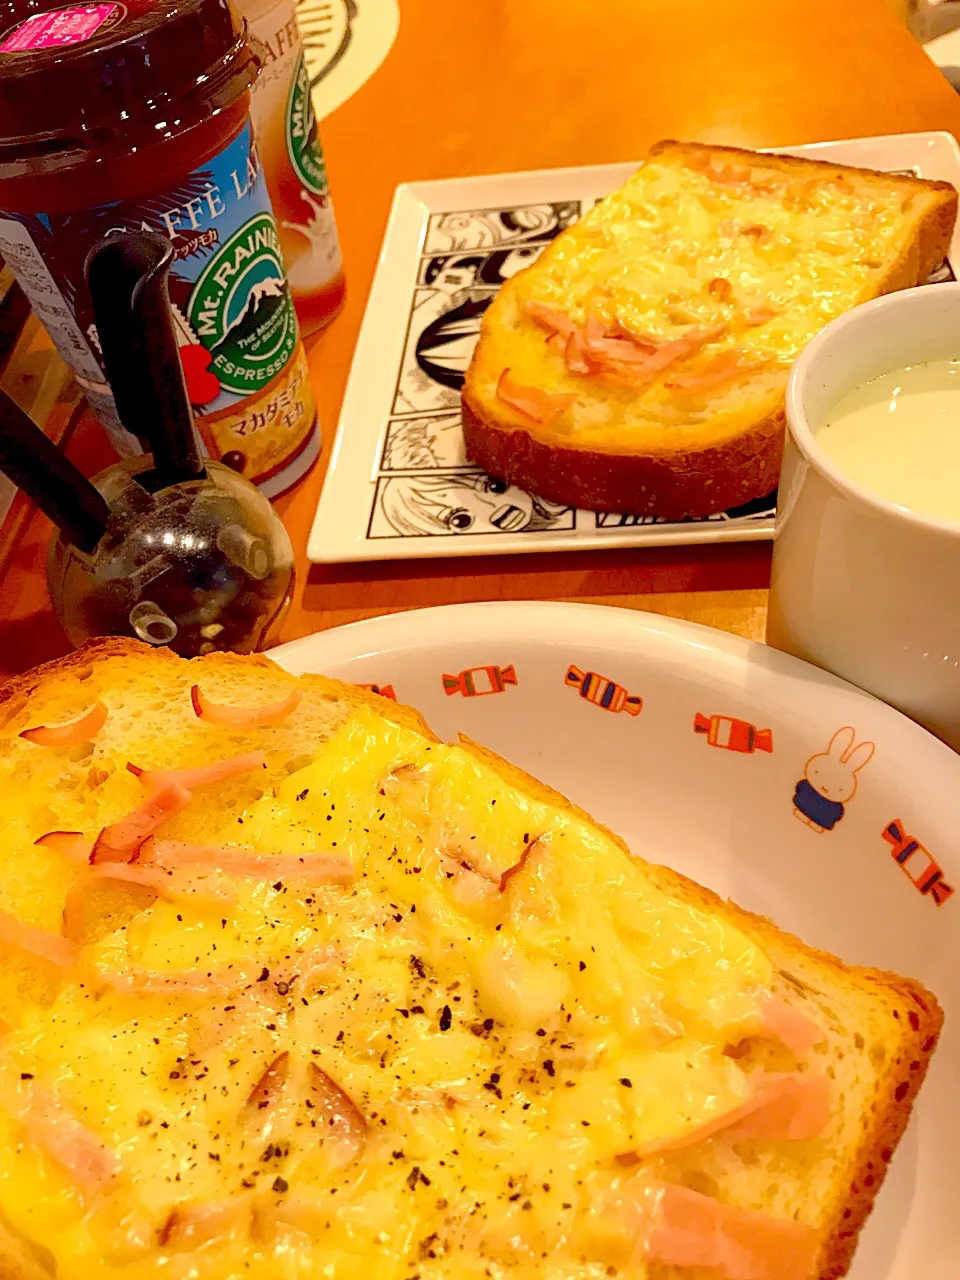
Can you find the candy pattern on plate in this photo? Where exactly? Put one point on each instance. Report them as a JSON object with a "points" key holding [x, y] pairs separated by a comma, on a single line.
{"points": [[919, 865]]}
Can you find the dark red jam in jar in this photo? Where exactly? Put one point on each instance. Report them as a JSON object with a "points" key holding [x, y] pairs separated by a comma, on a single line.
{"points": [[135, 113]]}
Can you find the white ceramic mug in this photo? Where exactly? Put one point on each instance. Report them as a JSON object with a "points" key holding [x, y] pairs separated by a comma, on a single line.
{"points": [[861, 586]]}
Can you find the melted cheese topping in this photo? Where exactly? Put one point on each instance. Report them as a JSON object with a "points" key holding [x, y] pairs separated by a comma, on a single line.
{"points": [[504, 1044], [765, 257]]}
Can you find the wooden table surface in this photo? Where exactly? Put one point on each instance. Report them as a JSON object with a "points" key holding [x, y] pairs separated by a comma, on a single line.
{"points": [[485, 86]]}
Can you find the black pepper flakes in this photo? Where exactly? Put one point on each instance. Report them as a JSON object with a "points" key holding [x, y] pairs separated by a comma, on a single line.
{"points": [[549, 1068], [626, 1082], [280, 1185], [446, 1018]]}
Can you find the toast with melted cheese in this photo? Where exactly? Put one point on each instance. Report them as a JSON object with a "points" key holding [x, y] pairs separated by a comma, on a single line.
{"points": [[639, 365], [290, 987]]}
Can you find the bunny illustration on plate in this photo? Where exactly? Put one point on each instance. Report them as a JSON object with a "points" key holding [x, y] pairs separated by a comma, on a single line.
{"points": [[830, 780]]}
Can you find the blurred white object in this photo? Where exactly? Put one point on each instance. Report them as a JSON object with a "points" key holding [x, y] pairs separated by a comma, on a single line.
{"points": [[344, 43], [945, 52], [937, 24], [930, 20]]}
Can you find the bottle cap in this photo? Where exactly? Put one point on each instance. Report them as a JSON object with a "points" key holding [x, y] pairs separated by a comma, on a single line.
{"points": [[77, 77]]}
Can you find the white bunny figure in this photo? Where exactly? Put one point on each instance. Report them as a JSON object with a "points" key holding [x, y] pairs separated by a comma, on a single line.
{"points": [[830, 780]]}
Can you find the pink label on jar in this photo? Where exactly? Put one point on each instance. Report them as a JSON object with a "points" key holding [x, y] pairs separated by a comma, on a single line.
{"points": [[59, 27]]}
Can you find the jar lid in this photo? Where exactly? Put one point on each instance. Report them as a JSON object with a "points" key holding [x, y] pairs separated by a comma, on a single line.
{"points": [[77, 76]]}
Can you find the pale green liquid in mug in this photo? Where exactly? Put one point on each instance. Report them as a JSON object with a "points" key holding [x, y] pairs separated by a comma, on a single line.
{"points": [[899, 437]]}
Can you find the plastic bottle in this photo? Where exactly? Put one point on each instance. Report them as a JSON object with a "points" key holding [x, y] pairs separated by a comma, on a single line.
{"points": [[136, 115], [293, 162]]}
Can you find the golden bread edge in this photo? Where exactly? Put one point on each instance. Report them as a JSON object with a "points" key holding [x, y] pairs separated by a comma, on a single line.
{"points": [[15, 692], [906, 1071], [689, 481]]}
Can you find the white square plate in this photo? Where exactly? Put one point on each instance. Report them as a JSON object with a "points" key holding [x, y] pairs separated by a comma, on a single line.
{"points": [[399, 483]]}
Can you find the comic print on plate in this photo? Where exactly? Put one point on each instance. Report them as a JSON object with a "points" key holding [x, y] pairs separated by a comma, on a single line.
{"points": [[425, 485]]}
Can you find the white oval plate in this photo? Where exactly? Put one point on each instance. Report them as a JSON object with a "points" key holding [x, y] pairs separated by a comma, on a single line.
{"points": [[677, 778]]}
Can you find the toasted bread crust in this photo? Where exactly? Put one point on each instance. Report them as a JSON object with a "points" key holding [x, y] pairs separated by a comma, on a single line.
{"points": [[692, 482], [16, 692], [692, 479]]}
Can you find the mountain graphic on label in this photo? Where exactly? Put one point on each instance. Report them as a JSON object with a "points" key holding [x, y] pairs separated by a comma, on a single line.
{"points": [[240, 308], [254, 322]]}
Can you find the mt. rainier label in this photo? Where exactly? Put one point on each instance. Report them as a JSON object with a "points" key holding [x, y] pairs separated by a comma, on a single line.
{"points": [[241, 309]]}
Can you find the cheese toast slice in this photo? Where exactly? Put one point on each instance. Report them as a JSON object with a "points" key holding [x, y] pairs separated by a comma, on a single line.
{"points": [[289, 987], [639, 365]]}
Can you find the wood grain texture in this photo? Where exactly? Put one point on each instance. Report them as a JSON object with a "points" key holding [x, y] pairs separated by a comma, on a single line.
{"points": [[487, 86]]}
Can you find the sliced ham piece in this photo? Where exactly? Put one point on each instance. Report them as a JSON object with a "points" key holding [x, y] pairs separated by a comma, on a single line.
{"points": [[619, 350], [174, 885], [120, 841], [782, 1021], [530, 849], [316, 868], [168, 792], [72, 844], [258, 1114], [726, 367], [643, 366], [759, 315], [792, 1108], [540, 406], [53, 1127], [787, 1106], [575, 353], [468, 886], [724, 173], [191, 982], [478, 862], [202, 776], [693, 1230], [231, 717], [270, 1086], [600, 348], [192, 1224], [36, 942], [339, 1121], [71, 732], [474, 859], [551, 318]]}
